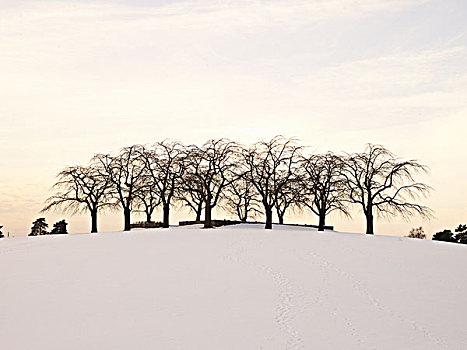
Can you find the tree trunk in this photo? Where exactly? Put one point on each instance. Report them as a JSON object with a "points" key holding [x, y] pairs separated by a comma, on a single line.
{"points": [[166, 209], [207, 214], [240, 215], [280, 215], [281, 218], [322, 221], [268, 218], [199, 210], [148, 217], [369, 221], [244, 218], [127, 217], [94, 221]]}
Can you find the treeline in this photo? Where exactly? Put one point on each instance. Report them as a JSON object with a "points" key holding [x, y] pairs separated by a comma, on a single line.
{"points": [[247, 181], [458, 236]]}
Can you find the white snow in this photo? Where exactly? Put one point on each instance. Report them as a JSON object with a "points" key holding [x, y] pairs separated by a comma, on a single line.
{"points": [[238, 287]]}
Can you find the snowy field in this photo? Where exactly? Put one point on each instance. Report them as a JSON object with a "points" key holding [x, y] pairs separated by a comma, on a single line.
{"points": [[237, 287]]}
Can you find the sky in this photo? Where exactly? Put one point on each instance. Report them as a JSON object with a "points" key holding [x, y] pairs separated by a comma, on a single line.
{"points": [[86, 77]]}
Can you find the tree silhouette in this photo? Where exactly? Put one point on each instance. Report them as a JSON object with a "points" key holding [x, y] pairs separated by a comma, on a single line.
{"points": [[39, 227], [81, 189], [270, 167], [417, 233], [288, 196], [211, 167], [126, 173], [379, 182], [445, 235], [59, 228], [191, 195], [242, 199], [1, 233], [323, 186], [165, 165], [461, 234], [147, 199]]}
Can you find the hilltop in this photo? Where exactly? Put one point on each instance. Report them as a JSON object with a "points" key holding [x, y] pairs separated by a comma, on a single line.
{"points": [[236, 287]]}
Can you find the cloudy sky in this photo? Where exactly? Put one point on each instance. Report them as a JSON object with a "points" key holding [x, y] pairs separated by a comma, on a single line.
{"points": [[83, 77]]}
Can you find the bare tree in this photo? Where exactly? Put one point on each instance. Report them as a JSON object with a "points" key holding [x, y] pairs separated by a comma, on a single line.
{"points": [[270, 168], [192, 195], [379, 181], [288, 196], [242, 199], [211, 167], [323, 186], [147, 199], [81, 189], [165, 165], [125, 172]]}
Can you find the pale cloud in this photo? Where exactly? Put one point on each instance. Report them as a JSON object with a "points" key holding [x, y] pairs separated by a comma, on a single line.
{"points": [[204, 13], [58, 32], [398, 73], [423, 83]]}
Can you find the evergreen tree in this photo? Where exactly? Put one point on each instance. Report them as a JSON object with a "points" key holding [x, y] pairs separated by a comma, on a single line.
{"points": [[417, 233], [39, 227], [461, 236], [59, 228], [445, 235], [1, 234]]}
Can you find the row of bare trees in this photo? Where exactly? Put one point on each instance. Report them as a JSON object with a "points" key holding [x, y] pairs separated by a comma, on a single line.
{"points": [[268, 176]]}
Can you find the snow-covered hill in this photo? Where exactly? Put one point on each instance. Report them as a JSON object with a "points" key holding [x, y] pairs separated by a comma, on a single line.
{"points": [[238, 287]]}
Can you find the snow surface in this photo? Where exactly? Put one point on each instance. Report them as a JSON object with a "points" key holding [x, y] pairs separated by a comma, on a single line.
{"points": [[238, 287]]}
